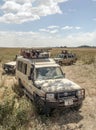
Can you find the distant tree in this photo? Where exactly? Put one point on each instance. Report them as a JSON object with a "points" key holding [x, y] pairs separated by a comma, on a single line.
{"points": [[84, 46]]}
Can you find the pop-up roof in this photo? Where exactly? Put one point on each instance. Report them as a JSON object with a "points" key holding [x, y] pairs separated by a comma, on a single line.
{"points": [[34, 54]]}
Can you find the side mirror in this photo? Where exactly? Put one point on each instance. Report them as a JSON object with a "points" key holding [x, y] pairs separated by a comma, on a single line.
{"points": [[31, 77]]}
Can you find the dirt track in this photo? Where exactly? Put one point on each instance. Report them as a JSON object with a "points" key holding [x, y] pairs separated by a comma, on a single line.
{"points": [[85, 119]]}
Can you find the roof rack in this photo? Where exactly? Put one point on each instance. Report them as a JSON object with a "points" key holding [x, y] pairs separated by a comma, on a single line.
{"points": [[34, 54]]}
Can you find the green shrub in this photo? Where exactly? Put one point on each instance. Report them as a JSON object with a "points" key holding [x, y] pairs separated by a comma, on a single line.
{"points": [[13, 116], [5, 111], [22, 117]]}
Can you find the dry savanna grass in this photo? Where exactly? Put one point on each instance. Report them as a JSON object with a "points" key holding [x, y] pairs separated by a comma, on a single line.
{"points": [[86, 55], [8, 54], [18, 112]]}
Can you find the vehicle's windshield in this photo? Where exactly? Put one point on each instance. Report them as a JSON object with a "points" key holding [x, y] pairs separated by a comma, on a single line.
{"points": [[48, 73]]}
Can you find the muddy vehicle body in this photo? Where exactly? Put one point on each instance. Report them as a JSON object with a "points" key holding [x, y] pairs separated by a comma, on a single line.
{"points": [[66, 59], [45, 83], [9, 67]]}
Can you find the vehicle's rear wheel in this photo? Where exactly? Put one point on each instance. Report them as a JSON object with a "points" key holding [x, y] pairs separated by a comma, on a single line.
{"points": [[71, 63], [20, 88]]}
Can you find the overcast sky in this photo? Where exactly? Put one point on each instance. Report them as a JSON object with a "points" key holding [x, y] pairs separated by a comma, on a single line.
{"points": [[41, 23]]}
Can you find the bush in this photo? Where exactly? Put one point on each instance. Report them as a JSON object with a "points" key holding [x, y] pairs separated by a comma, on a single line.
{"points": [[22, 117], [5, 111], [15, 113]]}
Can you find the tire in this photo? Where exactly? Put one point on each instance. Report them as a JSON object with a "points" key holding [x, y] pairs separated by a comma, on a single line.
{"points": [[60, 63], [13, 72], [41, 107], [77, 107], [71, 63], [20, 88]]}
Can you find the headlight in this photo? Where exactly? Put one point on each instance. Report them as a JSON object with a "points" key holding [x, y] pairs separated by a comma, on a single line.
{"points": [[66, 94], [80, 93], [50, 96]]}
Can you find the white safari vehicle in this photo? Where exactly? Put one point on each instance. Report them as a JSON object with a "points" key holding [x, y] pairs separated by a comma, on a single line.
{"points": [[9, 67], [45, 83], [66, 58]]}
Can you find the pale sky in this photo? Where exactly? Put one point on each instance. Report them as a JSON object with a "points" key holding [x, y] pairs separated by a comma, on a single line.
{"points": [[47, 23]]}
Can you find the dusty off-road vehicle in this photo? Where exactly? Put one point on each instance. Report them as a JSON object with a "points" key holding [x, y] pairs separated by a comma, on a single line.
{"points": [[45, 83], [9, 67], [65, 58]]}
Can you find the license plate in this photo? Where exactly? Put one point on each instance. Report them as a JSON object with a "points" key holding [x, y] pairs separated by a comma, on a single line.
{"points": [[68, 102]]}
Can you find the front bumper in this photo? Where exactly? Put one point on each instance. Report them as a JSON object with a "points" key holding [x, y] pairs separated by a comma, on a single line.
{"points": [[63, 103], [68, 102], [66, 99]]}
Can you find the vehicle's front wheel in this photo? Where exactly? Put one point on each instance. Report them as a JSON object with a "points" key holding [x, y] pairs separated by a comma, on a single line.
{"points": [[60, 63], [41, 107], [78, 107], [13, 71]]}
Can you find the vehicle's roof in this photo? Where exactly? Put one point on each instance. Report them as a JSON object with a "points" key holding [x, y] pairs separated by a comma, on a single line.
{"points": [[66, 54], [11, 63], [46, 65], [40, 62]]}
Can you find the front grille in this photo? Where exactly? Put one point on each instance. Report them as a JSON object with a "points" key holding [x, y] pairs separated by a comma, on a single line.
{"points": [[8, 66], [62, 95]]}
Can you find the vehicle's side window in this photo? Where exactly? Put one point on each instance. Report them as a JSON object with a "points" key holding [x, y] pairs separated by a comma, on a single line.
{"points": [[65, 57], [19, 67], [72, 56], [69, 56], [22, 67]]}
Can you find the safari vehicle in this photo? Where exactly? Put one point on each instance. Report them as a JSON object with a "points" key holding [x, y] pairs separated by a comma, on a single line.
{"points": [[9, 67], [66, 58], [45, 83]]}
